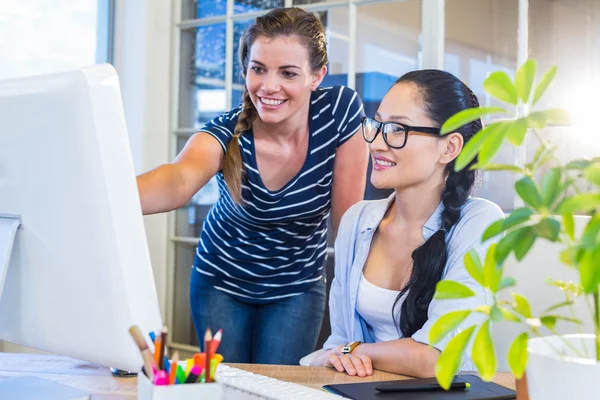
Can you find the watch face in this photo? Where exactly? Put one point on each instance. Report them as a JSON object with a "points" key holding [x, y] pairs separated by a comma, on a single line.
{"points": [[345, 349]]}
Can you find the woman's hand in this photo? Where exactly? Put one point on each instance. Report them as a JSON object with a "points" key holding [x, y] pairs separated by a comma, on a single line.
{"points": [[352, 364]]}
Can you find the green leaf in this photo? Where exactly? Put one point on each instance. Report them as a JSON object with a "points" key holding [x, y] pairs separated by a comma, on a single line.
{"points": [[473, 146], [517, 355], [491, 146], [452, 290], [549, 321], [592, 173], [517, 130], [473, 266], [569, 256], [569, 319], [548, 228], [483, 309], [509, 316], [589, 240], [542, 156], [554, 116], [580, 202], [543, 85], [521, 305], [508, 243], [524, 79], [528, 191], [484, 357], [491, 272], [525, 242], [550, 186], [445, 324], [558, 116], [449, 361], [499, 167], [515, 218], [507, 282], [578, 164], [571, 288], [569, 224], [465, 116], [496, 314], [499, 85], [589, 271], [537, 120], [557, 306]]}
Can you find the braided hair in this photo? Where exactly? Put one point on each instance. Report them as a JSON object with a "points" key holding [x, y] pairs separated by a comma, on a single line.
{"points": [[288, 22], [441, 95]]}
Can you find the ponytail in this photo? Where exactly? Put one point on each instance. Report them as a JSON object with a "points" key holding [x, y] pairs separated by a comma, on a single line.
{"points": [[443, 95], [233, 166]]}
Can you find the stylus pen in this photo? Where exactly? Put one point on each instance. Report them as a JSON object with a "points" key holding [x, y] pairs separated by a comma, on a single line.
{"points": [[392, 387]]}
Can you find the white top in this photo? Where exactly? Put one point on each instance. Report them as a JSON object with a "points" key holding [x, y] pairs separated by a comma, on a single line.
{"points": [[374, 304]]}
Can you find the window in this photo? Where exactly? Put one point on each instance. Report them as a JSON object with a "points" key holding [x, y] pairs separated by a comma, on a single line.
{"points": [[38, 36]]}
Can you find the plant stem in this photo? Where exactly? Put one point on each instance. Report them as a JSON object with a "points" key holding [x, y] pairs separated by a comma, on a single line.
{"points": [[566, 342], [597, 323], [578, 329], [547, 146]]}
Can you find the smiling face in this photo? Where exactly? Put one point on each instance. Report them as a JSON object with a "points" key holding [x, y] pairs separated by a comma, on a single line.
{"points": [[424, 157], [279, 79]]}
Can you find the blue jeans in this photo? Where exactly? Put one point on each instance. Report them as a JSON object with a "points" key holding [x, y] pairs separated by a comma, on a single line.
{"points": [[281, 332]]}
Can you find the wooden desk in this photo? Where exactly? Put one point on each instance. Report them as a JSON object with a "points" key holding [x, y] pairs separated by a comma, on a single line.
{"points": [[100, 382]]}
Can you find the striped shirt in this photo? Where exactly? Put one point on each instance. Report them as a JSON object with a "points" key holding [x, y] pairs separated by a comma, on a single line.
{"points": [[275, 245]]}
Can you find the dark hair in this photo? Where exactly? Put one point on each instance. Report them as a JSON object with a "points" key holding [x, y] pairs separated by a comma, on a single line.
{"points": [[441, 95], [291, 22]]}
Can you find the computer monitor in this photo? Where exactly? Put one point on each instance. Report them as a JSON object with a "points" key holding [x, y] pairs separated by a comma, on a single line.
{"points": [[79, 275]]}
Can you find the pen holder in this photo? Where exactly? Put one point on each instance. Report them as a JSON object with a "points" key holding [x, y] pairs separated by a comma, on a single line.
{"points": [[189, 391]]}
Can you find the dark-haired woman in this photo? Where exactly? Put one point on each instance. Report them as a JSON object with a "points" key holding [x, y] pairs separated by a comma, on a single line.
{"points": [[391, 253], [285, 160]]}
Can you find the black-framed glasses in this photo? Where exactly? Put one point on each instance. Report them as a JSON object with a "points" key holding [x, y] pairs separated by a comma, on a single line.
{"points": [[395, 134]]}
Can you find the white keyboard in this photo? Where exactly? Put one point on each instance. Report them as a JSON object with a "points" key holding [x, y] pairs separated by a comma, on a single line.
{"points": [[238, 384]]}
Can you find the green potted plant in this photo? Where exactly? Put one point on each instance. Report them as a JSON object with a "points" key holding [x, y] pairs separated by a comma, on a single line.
{"points": [[556, 365]]}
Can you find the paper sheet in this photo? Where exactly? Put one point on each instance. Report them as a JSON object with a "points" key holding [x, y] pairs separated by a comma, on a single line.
{"points": [[8, 230]]}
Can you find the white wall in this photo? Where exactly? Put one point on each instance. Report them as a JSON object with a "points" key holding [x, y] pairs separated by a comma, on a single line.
{"points": [[143, 59]]}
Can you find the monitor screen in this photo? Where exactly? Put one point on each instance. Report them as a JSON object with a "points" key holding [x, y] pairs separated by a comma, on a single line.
{"points": [[79, 275]]}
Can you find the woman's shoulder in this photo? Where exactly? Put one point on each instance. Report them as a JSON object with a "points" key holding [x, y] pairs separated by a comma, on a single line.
{"points": [[366, 214], [476, 215], [476, 207], [332, 95]]}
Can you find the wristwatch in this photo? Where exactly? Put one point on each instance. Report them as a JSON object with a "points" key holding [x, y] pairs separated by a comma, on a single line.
{"points": [[350, 346]]}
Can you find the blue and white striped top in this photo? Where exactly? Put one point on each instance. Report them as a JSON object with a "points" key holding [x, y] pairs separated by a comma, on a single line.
{"points": [[275, 245]]}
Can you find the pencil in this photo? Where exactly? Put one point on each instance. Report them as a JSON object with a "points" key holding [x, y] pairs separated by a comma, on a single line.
{"points": [[147, 356], [214, 344], [161, 351], [157, 346], [207, 340], [173, 371]]}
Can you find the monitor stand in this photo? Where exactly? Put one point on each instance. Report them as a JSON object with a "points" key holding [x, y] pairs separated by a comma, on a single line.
{"points": [[30, 387]]}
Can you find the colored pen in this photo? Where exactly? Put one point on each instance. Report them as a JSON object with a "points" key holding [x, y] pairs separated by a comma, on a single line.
{"points": [[420, 387], [161, 350], [189, 363], [214, 361], [207, 341], [174, 365], [214, 344], [180, 374], [161, 378], [194, 374], [157, 346], [147, 356], [199, 359]]}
